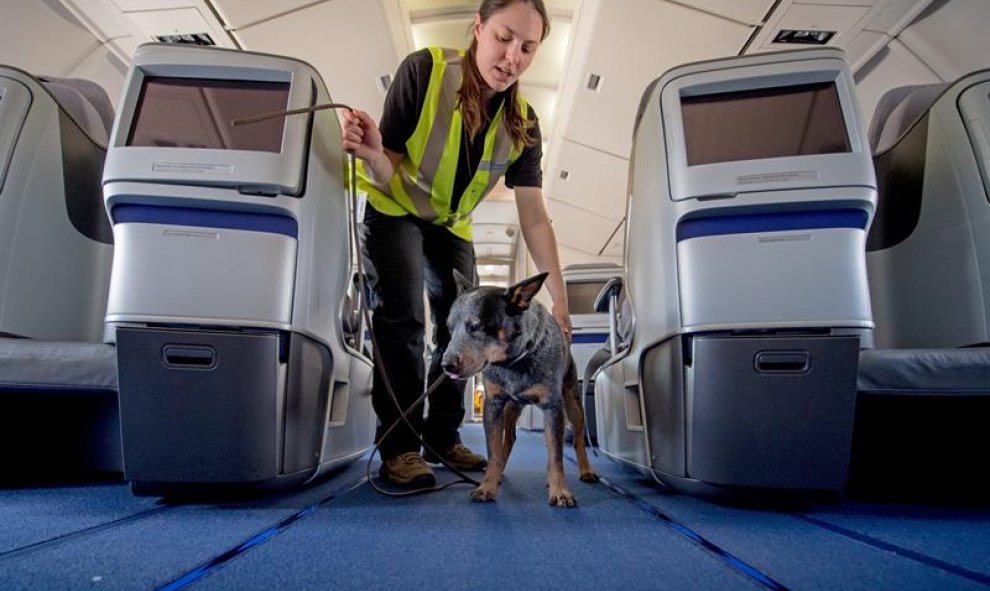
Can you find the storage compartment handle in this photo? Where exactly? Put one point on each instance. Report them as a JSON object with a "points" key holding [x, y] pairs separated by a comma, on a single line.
{"points": [[782, 361], [189, 356]]}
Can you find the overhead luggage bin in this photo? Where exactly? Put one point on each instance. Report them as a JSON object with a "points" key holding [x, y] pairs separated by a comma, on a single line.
{"points": [[745, 299], [231, 276]]}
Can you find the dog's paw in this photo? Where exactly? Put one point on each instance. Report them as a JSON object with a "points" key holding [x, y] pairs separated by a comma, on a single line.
{"points": [[562, 498], [482, 495], [589, 476]]}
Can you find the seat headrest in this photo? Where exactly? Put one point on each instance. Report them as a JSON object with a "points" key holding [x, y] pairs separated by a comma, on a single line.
{"points": [[898, 109], [86, 102]]}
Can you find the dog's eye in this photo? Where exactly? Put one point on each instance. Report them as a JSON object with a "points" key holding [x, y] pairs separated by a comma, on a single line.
{"points": [[474, 325]]}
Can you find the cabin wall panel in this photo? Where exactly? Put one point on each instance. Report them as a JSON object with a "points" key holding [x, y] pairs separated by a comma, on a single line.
{"points": [[570, 256], [595, 180], [951, 37], [103, 67], [629, 43], [42, 37], [350, 58], [895, 65], [578, 228], [945, 42]]}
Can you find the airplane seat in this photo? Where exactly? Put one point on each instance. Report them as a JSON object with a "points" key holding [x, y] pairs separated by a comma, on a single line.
{"points": [[57, 377], [928, 251], [745, 296], [899, 109], [86, 101], [589, 335], [228, 292], [928, 257], [608, 302], [56, 244]]}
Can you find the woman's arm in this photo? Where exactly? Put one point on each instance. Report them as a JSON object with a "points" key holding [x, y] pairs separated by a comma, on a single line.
{"points": [[542, 244]]}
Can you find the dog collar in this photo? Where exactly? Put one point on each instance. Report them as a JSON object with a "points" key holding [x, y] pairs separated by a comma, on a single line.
{"points": [[526, 351]]}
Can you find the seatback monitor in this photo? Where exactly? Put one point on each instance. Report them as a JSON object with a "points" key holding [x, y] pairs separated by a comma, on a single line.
{"points": [[197, 113], [763, 123], [581, 296]]}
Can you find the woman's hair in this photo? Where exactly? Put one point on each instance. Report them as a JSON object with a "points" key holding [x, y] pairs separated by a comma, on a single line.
{"points": [[469, 95]]}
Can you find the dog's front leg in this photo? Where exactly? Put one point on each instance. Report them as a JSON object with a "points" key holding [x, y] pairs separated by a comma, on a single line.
{"points": [[495, 436]]}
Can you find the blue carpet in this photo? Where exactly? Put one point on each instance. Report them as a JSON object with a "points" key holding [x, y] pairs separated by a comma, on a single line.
{"points": [[341, 534], [801, 554]]}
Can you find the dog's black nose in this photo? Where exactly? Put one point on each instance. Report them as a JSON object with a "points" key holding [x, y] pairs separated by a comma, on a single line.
{"points": [[450, 363]]}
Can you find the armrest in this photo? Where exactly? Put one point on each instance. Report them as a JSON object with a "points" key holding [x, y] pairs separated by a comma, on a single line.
{"points": [[612, 289]]}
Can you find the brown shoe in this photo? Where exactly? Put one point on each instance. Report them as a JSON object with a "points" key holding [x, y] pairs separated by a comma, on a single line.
{"points": [[459, 457], [407, 469]]}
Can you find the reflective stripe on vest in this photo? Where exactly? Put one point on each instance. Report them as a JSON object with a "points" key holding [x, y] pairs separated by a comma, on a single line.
{"points": [[423, 184]]}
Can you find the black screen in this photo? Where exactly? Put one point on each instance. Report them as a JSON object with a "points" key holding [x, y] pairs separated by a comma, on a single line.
{"points": [[581, 296], [764, 123], [197, 113]]}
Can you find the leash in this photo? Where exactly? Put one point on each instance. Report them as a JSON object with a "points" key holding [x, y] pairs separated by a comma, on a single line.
{"points": [[366, 321]]}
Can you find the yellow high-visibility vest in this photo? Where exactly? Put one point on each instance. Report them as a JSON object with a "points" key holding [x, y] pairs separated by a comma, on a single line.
{"points": [[423, 184]]}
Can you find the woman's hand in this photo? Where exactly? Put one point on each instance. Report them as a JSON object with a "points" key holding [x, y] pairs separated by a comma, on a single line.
{"points": [[563, 318], [360, 133]]}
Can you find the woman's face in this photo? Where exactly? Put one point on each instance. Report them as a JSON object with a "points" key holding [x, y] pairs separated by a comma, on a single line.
{"points": [[507, 43]]}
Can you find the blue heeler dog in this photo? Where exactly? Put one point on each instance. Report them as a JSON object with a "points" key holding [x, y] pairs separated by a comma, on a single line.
{"points": [[523, 358]]}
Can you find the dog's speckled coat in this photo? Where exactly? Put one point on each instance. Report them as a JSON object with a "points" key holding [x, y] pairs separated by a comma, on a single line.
{"points": [[524, 359]]}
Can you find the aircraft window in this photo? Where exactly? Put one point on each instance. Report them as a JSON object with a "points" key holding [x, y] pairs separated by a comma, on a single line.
{"points": [[764, 123], [196, 113]]}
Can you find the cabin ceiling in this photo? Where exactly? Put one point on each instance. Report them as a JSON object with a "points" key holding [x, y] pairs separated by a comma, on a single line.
{"points": [[623, 44]]}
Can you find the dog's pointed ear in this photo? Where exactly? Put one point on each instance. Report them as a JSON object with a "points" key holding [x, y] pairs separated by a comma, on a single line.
{"points": [[521, 294], [463, 283]]}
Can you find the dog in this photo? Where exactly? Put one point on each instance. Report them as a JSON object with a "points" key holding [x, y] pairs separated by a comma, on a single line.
{"points": [[523, 358]]}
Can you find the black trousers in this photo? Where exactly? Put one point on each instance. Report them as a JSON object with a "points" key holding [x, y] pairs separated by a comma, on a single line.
{"points": [[404, 255]]}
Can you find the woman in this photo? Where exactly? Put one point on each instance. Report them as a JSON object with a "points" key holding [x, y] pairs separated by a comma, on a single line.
{"points": [[452, 125]]}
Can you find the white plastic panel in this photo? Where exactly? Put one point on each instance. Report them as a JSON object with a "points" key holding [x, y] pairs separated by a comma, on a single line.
{"points": [[217, 276], [774, 279], [241, 13], [105, 18], [894, 66], [178, 21], [845, 20], [15, 98], [863, 47], [104, 68], [137, 5], [578, 228], [750, 12], [952, 38], [595, 181], [571, 256], [27, 28], [974, 107], [896, 14], [350, 76], [543, 99], [629, 48], [452, 33]]}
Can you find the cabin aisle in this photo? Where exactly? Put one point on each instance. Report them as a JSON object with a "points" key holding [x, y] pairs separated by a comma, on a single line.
{"points": [[626, 533]]}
